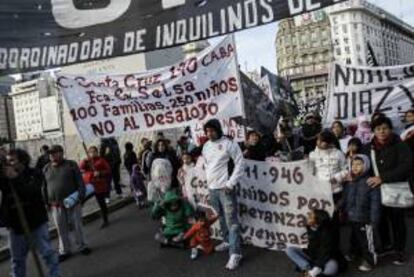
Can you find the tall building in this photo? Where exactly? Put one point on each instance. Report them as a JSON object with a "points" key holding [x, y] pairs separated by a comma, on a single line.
{"points": [[7, 128], [304, 51], [357, 23], [36, 109], [308, 43]]}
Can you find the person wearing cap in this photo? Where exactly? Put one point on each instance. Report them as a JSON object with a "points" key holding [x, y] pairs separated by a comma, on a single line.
{"points": [[224, 167], [62, 178]]}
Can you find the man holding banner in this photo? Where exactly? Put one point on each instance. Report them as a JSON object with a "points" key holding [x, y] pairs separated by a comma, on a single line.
{"points": [[221, 157]]}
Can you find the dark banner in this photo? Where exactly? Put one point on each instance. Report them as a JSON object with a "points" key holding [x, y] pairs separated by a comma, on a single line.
{"points": [[40, 34], [261, 114], [282, 93]]}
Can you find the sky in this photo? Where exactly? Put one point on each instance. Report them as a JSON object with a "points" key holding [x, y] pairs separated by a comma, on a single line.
{"points": [[256, 46]]}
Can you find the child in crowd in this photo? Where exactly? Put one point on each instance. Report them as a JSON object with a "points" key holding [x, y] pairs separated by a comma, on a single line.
{"points": [[329, 162], [354, 148], [338, 129], [130, 157], [362, 205], [176, 212], [364, 132], [319, 257], [188, 164], [199, 234], [138, 187]]}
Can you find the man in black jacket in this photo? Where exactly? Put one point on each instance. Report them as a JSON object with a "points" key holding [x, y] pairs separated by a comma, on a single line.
{"points": [[43, 159], [24, 213], [110, 151]]}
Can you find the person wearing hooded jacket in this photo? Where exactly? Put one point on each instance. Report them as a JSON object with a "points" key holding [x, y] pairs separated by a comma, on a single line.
{"points": [[362, 205], [219, 153], [177, 213]]}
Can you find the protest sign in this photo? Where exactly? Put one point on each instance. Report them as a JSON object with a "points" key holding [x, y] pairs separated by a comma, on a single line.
{"points": [[261, 114], [274, 200], [281, 92], [229, 126], [356, 91], [41, 34], [197, 89], [264, 84]]}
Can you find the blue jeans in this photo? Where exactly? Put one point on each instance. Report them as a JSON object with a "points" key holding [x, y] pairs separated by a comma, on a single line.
{"points": [[225, 204], [19, 248], [299, 257]]}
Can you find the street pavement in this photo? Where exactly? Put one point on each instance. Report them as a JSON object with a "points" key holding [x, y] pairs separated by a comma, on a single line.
{"points": [[127, 248]]}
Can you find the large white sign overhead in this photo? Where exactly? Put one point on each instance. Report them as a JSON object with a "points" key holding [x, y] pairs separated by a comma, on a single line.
{"points": [[197, 89]]}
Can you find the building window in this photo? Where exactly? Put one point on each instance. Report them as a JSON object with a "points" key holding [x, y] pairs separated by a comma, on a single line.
{"points": [[348, 61], [338, 51], [344, 28]]}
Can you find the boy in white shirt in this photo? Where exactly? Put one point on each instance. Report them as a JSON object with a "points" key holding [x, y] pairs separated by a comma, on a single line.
{"points": [[221, 156]]}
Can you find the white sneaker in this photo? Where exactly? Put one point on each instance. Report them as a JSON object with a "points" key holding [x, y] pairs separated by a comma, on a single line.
{"points": [[107, 201], [365, 267], [222, 247], [194, 253], [234, 261]]}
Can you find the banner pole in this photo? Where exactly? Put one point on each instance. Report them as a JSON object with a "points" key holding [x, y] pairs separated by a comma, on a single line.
{"points": [[233, 39]]}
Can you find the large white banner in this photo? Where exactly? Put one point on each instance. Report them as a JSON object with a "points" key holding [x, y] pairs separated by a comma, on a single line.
{"points": [[194, 90], [274, 200], [358, 91]]}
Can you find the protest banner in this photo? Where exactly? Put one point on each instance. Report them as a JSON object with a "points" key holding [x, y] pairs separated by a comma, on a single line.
{"points": [[274, 200], [230, 128], [197, 89], [264, 84], [355, 91], [41, 34], [261, 114], [281, 92]]}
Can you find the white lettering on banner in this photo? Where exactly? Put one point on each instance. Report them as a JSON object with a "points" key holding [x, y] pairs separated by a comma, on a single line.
{"points": [[273, 201], [230, 128], [300, 6], [168, 4], [183, 94], [67, 32], [67, 15], [358, 91]]}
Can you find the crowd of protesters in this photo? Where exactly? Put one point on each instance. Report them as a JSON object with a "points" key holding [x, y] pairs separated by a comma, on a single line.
{"points": [[342, 155]]}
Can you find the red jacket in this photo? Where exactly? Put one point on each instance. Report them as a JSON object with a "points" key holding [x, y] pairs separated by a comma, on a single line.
{"points": [[200, 235], [101, 183]]}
